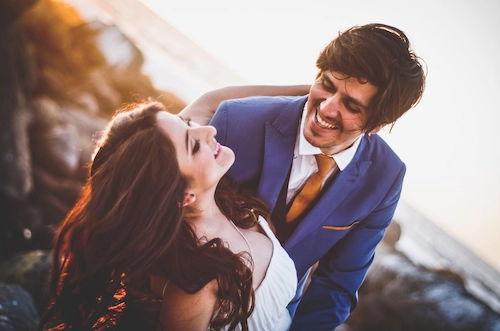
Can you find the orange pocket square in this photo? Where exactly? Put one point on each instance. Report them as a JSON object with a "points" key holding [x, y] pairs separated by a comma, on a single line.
{"points": [[340, 228]]}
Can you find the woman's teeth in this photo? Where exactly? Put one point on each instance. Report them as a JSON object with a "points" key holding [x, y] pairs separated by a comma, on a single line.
{"points": [[217, 150]]}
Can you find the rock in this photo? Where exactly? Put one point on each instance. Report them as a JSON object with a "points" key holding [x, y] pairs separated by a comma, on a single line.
{"points": [[60, 79], [16, 180], [31, 271], [17, 311], [101, 84], [10, 10], [123, 58], [89, 125], [392, 235], [45, 113], [55, 195], [57, 149], [65, 50], [60, 136], [62, 40], [17, 79], [398, 295], [86, 101], [25, 230], [388, 243]]}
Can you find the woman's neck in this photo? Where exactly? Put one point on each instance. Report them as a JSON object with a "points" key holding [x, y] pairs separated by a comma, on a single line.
{"points": [[205, 216]]}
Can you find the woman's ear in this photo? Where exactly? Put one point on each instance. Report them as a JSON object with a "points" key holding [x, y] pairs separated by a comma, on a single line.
{"points": [[188, 199]]}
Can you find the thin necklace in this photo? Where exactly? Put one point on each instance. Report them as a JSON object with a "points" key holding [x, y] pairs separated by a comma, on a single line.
{"points": [[244, 238]]}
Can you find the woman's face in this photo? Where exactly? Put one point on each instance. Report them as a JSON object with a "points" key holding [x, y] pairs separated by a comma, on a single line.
{"points": [[201, 158]]}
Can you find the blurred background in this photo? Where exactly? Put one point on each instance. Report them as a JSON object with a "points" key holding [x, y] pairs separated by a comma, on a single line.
{"points": [[448, 142]]}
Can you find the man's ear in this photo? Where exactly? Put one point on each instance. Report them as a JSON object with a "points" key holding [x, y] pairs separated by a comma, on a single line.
{"points": [[188, 199]]}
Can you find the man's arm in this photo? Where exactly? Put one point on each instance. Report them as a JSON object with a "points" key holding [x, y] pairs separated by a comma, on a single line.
{"points": [[202, 109], [332, 293]]}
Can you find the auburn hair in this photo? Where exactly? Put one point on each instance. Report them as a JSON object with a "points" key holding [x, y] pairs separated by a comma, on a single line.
{"points": [[128, 221]]}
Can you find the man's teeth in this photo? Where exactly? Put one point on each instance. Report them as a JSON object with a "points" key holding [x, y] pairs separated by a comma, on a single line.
{"points": [[217, 147], [323, 123]]}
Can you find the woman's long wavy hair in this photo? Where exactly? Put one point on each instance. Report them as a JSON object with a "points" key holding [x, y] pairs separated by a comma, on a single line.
{"points": [[128, 222]]}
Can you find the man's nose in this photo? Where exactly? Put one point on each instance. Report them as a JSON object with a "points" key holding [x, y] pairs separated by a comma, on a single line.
{"points": [[330, 105]]}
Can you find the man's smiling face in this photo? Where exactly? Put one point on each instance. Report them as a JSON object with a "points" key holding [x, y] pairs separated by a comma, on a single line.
{"points": [[336, 111]]}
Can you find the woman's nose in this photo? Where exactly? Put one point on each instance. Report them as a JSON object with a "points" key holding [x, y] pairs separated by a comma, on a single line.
{"points": [[208, 132]]}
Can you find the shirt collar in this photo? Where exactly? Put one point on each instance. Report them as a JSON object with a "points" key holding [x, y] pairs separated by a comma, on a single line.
{"points": [[342, 158]]}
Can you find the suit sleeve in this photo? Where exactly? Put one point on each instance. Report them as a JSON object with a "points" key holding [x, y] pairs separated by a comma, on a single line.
{"points": [[332, 293], [219, 120]]}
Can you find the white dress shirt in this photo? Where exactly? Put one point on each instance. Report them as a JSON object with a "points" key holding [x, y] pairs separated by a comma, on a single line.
{"points": [[304, 163]]}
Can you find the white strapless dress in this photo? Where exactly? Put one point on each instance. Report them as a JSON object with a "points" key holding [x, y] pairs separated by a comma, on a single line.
{"points": [[275, 291]]}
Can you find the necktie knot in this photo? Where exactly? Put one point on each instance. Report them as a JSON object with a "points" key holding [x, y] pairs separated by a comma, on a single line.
{"points": [[325, 163], [311, 188]]}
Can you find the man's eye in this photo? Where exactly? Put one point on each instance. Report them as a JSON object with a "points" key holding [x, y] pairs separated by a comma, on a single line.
{"points": [[353, 109], [196, 147]]}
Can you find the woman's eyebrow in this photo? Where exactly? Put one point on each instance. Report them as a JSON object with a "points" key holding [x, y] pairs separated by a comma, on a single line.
{"points": [[186, 120], [187, 135]]}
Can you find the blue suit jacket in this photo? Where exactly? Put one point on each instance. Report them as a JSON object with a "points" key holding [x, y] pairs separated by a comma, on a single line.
{"points": [[347, 222]]}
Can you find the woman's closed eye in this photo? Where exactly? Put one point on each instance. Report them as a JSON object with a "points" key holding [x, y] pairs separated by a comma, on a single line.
{"points": [[196, 147]]}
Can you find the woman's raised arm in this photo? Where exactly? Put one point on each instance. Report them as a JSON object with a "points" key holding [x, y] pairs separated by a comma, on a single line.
{"points": [[202, 109]]}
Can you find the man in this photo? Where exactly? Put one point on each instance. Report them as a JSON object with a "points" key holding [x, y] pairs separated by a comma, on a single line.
{"points": [[368, 77]]}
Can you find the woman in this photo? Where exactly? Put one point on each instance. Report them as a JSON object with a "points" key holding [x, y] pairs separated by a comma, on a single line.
{"points": [[233, 220], [150, 212]]}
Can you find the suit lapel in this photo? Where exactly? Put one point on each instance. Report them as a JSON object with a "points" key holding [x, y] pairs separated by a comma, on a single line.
{"points": [[329, 201], [278, 153]]}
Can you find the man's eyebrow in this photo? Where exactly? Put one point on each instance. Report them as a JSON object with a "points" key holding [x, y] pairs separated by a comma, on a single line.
{"points": [[348, 98], [328, 80], [357, 102]]}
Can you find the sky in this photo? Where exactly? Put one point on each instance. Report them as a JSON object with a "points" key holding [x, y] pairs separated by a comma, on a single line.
{"points": [[448, 142]]}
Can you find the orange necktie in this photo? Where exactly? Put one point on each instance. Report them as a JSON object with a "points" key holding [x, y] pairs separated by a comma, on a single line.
{"points": [[311, 188]]}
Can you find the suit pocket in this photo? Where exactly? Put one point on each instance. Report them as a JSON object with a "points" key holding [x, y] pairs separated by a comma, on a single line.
{"points": [[329, 235], [340, 228]]}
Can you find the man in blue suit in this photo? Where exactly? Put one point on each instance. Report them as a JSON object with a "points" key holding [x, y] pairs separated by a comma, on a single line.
{"points": [[368, 77]]}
